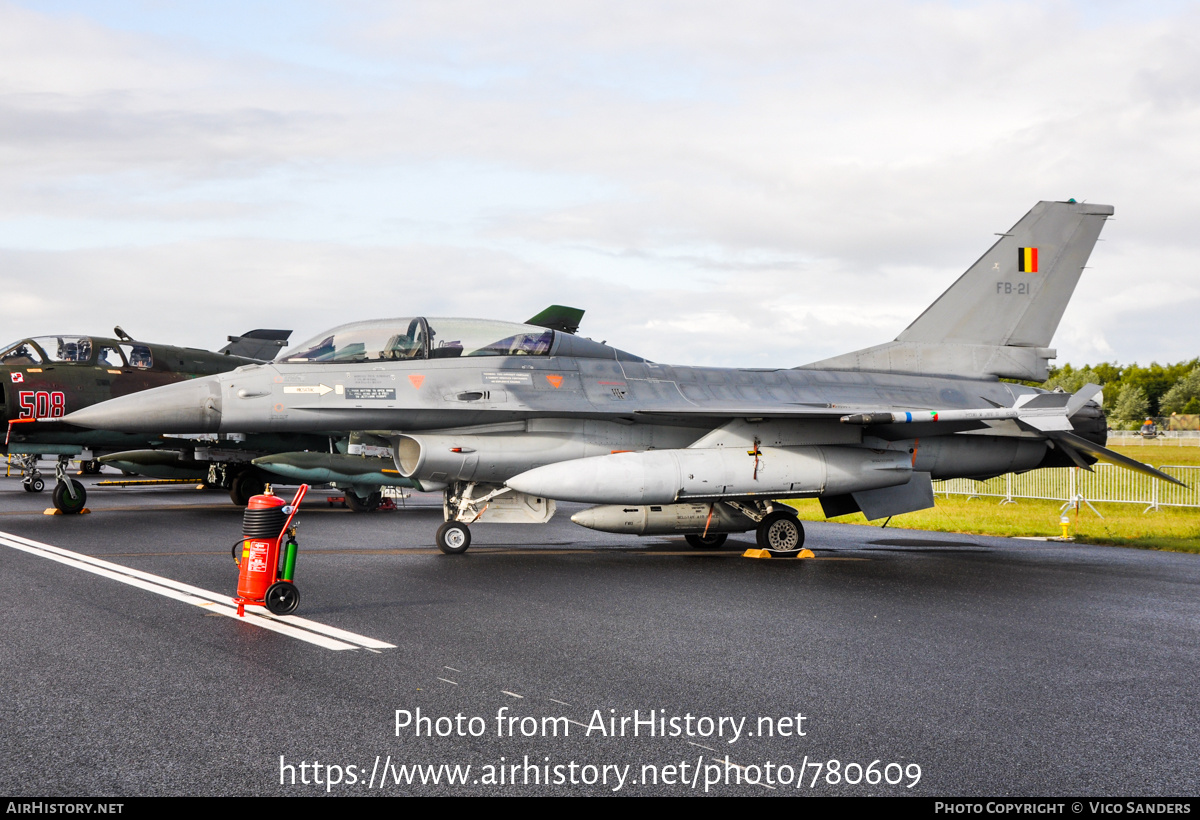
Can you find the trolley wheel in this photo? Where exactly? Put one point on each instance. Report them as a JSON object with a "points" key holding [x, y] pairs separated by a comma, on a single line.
{"points": [[245, 486], [35, 485], [706, 542], [63, 502], [780, 534], [282, 598], [90, 467], [359, 504], [453, 538]]}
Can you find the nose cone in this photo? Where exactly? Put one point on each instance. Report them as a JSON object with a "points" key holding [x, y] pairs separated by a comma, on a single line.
{"points": [[586, 518], [187, 407]]}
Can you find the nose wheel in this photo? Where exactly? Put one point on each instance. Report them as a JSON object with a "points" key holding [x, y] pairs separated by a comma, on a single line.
{"points": [[69, 497], [453, 538]]}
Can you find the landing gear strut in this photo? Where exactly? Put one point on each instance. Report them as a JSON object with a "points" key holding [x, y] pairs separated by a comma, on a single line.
{"points": [[462, 508]]}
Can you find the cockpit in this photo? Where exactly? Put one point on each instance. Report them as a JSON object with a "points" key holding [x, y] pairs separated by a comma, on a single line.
{"points": [[49, 350], [389, 340]]}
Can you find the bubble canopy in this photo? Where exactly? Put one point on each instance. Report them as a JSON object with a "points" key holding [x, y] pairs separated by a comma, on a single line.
{"points": [[389, 340]]}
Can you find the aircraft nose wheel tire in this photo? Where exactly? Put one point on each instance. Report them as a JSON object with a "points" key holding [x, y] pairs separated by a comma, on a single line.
{"points": [[359, 504], [780, 534], [453, 538], [63, 502], [282, 598], [706, 542], [34, 486]]}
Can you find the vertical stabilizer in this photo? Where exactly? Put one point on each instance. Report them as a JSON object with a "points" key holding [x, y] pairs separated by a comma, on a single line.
{"points": [[1000, 315]]}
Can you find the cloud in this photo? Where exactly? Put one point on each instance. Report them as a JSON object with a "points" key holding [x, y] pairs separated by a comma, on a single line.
{"points": [[783, 182]]}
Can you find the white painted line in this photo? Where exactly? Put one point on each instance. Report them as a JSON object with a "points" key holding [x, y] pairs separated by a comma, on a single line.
{"points": [[699, 746], [448, 681], [294, 620], [561, 702], [300, 628], [452, 669], [513, 694]]}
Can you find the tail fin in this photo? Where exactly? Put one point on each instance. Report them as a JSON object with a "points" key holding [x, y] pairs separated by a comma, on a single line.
{"points": [[260, 344], [1000, 315]]}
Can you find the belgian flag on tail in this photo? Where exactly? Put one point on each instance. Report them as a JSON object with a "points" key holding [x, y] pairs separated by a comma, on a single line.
{"points": [[1027, 260]]}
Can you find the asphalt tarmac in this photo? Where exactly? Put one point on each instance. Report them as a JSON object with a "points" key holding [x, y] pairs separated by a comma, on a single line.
{"points": [[555, 660]]}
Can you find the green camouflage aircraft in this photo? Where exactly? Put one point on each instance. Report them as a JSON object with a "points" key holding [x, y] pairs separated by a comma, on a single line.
{"points": [[43, 378]]}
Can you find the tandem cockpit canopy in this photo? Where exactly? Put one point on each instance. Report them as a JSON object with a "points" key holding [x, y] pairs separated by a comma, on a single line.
{"points": [[387, 340]]}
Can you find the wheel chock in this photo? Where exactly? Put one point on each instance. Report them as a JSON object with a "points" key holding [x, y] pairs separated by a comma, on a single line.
{"points": [[56, 511], [767, 554]]}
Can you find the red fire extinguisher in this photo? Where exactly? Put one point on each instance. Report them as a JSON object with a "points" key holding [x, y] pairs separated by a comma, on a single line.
{"points": [[268, 561]]}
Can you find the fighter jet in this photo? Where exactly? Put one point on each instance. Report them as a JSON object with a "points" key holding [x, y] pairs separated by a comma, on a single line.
{"points": [[511, 418], [44, 378]]}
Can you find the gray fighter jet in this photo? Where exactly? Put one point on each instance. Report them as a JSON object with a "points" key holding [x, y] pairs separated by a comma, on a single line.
{"points": [[508, 418]]}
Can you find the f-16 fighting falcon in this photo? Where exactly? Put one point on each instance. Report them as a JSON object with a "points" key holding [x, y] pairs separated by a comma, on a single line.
{"points": [[508, 418]]}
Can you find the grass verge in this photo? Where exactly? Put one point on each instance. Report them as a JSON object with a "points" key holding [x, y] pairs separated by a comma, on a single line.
{"points": [[1123, 525]]}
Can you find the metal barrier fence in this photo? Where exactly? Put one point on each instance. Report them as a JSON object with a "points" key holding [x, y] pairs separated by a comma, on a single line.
{"points": [[1168, 438], [1107, 483]]}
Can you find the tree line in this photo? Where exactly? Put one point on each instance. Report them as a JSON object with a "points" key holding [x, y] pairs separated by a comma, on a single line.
{"points": [[1132, 392]]}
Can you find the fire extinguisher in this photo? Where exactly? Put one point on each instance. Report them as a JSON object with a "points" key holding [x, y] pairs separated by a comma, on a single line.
{"points": [[268, 559]]}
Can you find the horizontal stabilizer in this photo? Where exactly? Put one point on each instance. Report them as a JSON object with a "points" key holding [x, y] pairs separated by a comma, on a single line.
{"points": [[1069, 441]]}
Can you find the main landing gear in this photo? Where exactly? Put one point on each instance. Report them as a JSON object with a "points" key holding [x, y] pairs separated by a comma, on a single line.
{"points": [[358, 503], [706, 542], [32, 482], [779, 531]]}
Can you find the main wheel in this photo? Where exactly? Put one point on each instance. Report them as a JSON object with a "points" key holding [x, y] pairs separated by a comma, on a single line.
{"points": [[244, 487], [780, 533], [282, 598], [63, 502], [706, 542], [359, 504], [453, 538]]}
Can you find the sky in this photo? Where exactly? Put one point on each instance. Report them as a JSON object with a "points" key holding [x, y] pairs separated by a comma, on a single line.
{"points": [[759, 184]]}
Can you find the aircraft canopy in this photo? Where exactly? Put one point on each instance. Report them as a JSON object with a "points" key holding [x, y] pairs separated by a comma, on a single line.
{"points": [[382, 340]]}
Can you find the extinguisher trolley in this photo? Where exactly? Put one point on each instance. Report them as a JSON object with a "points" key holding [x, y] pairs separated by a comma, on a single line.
{"points": [[268, 554]]}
